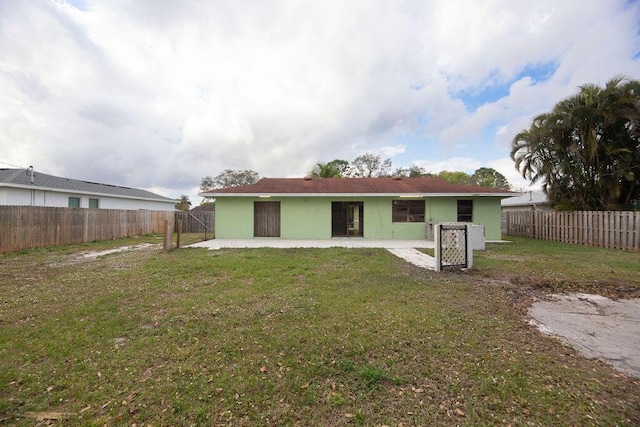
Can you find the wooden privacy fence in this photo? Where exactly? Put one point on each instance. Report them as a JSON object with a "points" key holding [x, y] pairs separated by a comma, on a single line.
{"points": [[605, 229], [196, 222], [27, 227]]}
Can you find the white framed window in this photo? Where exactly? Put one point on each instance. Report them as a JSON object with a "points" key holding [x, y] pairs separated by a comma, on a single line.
{"points": [[74, 202]]}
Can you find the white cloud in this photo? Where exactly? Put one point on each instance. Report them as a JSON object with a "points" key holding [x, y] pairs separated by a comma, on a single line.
{"points": [[152, 94], [463, 164], [506, 167]]}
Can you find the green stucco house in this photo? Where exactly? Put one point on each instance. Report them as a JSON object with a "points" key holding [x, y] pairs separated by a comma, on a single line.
{"points": [[370, 208]]}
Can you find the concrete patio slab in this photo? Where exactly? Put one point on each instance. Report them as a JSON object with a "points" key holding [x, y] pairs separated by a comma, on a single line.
{"points": [[404, 249], [352, 242], [596, 326]]}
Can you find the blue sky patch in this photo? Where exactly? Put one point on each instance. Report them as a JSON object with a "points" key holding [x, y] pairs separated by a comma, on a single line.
{"points": [[473, 99], [78, 4]]}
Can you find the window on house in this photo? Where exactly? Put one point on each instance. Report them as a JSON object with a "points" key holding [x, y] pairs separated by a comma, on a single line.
{"points": [[408, 211], [74, 202], [465, 210], [93, 203]]}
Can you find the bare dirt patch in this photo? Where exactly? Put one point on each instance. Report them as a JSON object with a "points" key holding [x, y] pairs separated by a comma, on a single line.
{"points": [[96, 254], [596, 326]]}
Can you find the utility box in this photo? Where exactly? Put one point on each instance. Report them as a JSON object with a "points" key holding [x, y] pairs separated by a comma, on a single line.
{"points": [[477, 237], [453, 246]]}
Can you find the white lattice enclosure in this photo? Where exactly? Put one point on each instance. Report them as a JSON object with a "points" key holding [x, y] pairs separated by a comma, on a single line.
{"points": [[453, 246]]}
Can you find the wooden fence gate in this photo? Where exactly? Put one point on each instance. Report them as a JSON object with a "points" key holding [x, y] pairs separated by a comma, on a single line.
{"points": [[196, 222]]}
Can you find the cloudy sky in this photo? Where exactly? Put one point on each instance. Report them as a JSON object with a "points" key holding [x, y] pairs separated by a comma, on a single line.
{"points": [[157, 94]]}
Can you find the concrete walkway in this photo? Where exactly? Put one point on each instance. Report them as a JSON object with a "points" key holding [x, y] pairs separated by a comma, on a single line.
{"points": [[404, 249], [415, 257]]}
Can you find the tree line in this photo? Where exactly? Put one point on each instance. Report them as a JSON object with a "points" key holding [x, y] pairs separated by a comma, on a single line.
{"points": [[373, 166], [367, 165], [364, 166]]}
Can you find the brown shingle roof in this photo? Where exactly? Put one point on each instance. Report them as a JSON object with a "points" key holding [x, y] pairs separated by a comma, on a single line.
{"points": [[20, 177], [207, 207], [353, 186]]}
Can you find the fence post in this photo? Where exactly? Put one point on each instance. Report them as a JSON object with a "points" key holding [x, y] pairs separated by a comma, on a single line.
{"points": [[636, 230], [167, 238], [533, 223], [179, 233]]}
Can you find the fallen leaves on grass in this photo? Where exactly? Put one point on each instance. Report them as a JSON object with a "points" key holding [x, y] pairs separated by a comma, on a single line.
{"points": [[43, 416]]}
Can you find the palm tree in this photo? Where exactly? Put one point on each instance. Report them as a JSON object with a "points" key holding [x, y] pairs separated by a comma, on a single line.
{"points": [[585, 150], [183, 204], [532, 148], [325, 170], [621, 141]]}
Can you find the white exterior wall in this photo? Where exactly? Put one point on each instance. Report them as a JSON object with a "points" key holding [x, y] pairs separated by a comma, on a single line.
{"points": [[38, 197], [118, 203]]}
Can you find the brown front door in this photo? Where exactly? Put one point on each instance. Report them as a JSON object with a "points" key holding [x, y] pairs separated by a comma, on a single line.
{"points": [[266, 219]]}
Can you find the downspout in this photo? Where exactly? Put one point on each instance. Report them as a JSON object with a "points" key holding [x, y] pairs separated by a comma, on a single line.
{"points": [[33, 191]]}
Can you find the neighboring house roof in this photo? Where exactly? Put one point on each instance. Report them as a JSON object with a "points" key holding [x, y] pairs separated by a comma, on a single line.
{"points": [[530, 198], [427, 186], [207, 207], [20, 178]]}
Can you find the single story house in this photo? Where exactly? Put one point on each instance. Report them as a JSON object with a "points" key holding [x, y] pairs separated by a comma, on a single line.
{"points": [[24, 187], [374, 208], [528, 201]]}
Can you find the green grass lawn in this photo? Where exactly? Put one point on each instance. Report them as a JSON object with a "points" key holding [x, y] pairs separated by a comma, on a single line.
{"points": [[301, 337]]}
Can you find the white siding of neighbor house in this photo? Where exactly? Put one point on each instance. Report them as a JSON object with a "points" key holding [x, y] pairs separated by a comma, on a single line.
{"points": [[527, 201], [523, 208], [37, 197]]}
